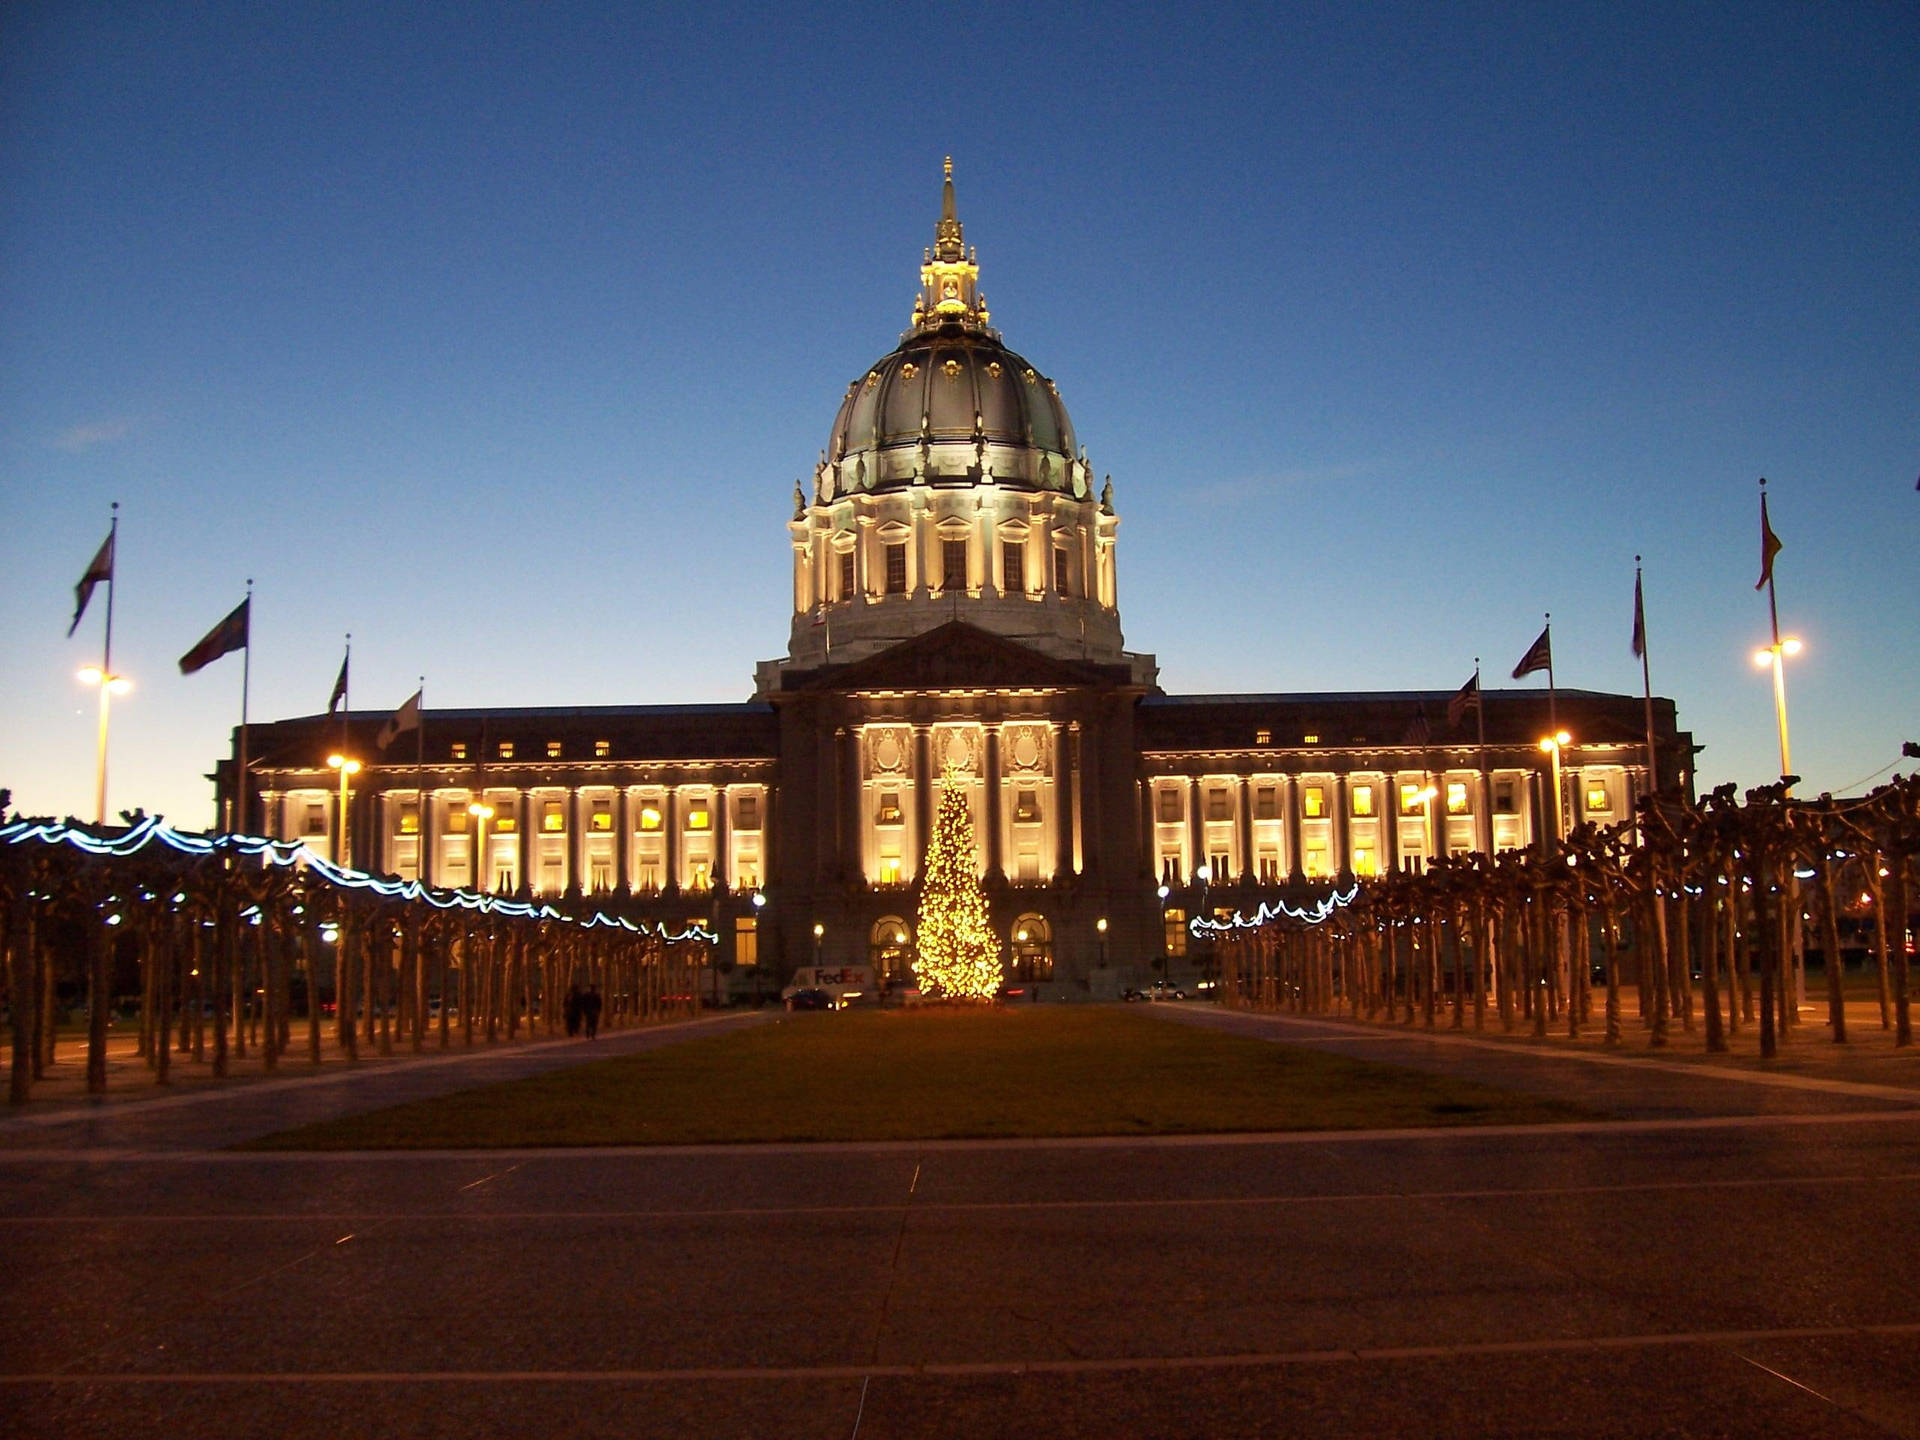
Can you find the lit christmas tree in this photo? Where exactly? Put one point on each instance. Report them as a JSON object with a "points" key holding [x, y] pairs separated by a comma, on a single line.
{"points": [[959, 953]]}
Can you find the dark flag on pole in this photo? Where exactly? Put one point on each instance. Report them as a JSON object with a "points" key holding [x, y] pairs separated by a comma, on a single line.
{"points": [[1639, 620], [1466, 698], [1769, 546], [406, 718], [101, 569], [225, 638], [339, 686], [1418, 733], [1539, 655]]}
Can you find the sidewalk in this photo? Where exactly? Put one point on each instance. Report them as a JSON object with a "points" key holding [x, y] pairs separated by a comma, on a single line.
{"points": [[198, 1112]]}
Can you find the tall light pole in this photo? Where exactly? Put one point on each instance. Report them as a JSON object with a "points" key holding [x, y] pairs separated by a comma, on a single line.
{"points": [[1552, 745], [1773, 655], [110, 685], [347, 768]]}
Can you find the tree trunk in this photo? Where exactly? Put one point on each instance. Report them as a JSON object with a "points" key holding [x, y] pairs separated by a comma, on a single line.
{"points": [[1830, 943]]}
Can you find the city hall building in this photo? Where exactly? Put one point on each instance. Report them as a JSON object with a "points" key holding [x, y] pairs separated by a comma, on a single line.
{"points": [[956, 620]]}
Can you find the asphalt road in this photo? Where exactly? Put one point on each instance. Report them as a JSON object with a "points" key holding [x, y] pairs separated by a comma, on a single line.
{"points": [[1738, 1260]]}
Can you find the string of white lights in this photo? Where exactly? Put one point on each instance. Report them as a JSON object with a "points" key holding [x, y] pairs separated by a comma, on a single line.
{"points": [[150, 830], [1318, 913]]}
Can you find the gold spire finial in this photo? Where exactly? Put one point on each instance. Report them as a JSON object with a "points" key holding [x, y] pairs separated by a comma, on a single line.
{"points": [[949, 274]]}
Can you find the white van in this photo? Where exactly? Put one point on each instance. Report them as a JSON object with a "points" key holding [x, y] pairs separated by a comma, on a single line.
{"points": [[844, 984]]}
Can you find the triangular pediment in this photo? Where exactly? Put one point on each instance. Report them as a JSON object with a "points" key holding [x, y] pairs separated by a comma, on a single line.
{"points": [[959, 656]]}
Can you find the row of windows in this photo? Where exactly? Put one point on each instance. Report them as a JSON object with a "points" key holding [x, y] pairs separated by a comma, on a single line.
{"points": [[507, 749], [953, 568], [552, 817], [1026, 807], [1362, 800]]}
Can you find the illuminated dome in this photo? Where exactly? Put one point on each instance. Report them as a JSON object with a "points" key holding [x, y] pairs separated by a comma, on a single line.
{"points": [[951, 404]]}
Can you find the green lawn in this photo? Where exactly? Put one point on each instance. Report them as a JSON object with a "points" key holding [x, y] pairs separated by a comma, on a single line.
{"points": [[927, 1074]]}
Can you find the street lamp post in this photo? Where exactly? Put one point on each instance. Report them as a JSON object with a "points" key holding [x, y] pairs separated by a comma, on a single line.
{"points": [[1552, 745], [819, 932], [1101, 926], [347, 768], [110, 685], [1165, 892], [1773, 655]]}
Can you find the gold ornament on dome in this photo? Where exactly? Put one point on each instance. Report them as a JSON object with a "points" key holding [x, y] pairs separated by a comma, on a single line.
{"points": [[993, 369], [1030, 377], [873, 378], [951, 369], [909, 370]]}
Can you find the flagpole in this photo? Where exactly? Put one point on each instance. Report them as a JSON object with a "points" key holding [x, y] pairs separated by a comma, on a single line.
{"points": [[1646, 678], [420, 738], [106, 671], [1553, 725], [1773, 617], [1486, 779], [246, 682]]}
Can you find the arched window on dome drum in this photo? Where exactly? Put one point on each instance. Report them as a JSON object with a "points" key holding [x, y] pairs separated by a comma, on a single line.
{"points": [[1032, 947], [890, 949]]}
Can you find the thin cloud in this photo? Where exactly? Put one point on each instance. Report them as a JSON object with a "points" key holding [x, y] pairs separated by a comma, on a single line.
{"points": [[76, 439]]}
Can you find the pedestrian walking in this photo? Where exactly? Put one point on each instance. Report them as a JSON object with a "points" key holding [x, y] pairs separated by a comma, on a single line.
{"points": [[590, 1011], [574, 1010]]}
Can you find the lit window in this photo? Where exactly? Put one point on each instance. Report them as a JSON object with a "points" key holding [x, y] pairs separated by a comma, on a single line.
{"points": [[316, 820], [1313, 802], [846, 574], [889, 812], [698, 870], [1457, 802], [1013, 567], [889, 869], [456, 820], [1269, 868], [553, 749], [698, 816], [1412, 799], [409, 819], [551, 816], [1176, 929], [649, 816], [602, 815], [505, 822], [1363, 861], [600, 876], [1263, 737], [1062, 571], [1026, 807], [1503, 798], [953, 564], [1363, 800], [506, 749], [648, 878], [602, 749], [746, 941], [1219, 869], [1169, 805], [896, 569], [459, 749], [746, 813], [1170, 868], [1266, 803], [1597, 797], [1309, 739], [1217, 808], [1317, 867]]}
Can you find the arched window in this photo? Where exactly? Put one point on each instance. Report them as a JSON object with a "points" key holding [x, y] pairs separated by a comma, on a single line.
{"points": [[1032, 948], [890, 950]]}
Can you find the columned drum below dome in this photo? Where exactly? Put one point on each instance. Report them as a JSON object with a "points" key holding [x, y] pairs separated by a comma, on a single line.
{"points": [[952, 487]]}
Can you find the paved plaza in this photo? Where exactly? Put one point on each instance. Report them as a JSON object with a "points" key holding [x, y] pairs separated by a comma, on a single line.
{"points": [[1735, 1256]]}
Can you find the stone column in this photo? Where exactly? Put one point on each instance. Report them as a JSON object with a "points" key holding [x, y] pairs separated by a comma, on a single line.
{"points": [[670, 830], [523, 826], [1244, 799], [922, 795], [994, 862], [1196, 835], [622, 841], [1341, 860], [1062, 804], [853, 857], [1289, 798], [1391, 850], [722, 861], [1079, 789]]}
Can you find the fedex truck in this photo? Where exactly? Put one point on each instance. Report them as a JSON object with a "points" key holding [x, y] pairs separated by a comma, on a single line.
{"points": [[844, 984]]}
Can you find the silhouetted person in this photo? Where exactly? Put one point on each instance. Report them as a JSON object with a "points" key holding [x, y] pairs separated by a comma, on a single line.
{"points": [[575, 1008], [590, 1011]]}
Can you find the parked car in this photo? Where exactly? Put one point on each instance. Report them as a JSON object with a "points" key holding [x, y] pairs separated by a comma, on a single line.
{"points": [[810, 999], [1158, 990]]}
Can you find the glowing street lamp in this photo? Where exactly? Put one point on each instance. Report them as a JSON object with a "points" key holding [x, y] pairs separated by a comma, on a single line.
{"points": [[347, 769], [819, 932], [481, 813], [1772, 655], [1101, 926], [1552, 745], [110, 685]]}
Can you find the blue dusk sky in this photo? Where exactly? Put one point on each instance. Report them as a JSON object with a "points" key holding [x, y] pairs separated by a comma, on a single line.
{"points": [[498, 335]]}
